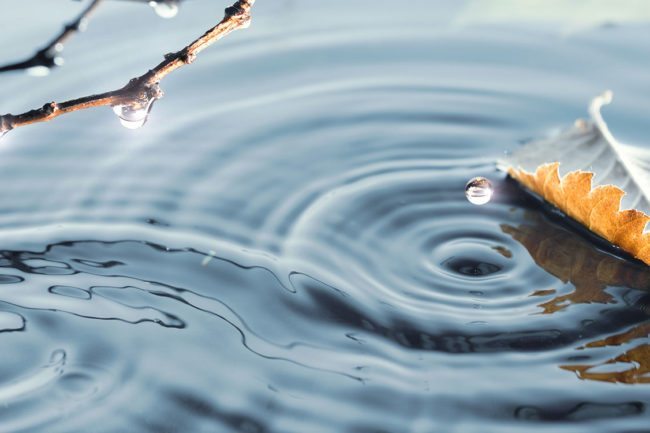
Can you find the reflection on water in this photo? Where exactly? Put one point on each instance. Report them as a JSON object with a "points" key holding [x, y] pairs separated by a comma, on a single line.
{"points": [[633, 366], [286, 246], [576, 261]]}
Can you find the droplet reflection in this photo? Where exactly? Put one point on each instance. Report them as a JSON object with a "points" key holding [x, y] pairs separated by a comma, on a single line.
{"points": [[479, 191]]}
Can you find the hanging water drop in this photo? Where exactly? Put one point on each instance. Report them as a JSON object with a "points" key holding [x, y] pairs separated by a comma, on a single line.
{"points": [[38, 71], [165, 8], [133, 116], [83, 25], [478, 191]]}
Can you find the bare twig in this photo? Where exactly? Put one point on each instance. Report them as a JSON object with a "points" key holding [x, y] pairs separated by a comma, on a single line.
{"points": [[46, 56], [141, 91]]}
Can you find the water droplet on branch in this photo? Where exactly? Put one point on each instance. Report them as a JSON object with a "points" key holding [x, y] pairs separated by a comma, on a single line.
{"points": [[133, 116], [83, 25], [165, 8], [45, 61], [478, 191], [38, 71]]}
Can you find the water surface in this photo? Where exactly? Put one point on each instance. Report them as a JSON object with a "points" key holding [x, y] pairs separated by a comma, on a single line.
{"points": [[286, 245]]}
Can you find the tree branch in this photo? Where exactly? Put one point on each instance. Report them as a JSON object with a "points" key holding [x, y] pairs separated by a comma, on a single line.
{"points": [[139, 93], [46, 56]]}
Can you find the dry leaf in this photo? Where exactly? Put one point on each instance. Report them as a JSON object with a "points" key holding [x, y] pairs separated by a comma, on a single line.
{"points": [[603, 187]]}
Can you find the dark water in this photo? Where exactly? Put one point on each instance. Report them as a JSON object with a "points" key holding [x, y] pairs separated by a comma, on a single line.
{"points": [[286, 245]]}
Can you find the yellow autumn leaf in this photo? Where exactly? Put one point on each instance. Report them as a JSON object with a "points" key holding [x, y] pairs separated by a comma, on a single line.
{"points": [[592, 178]]}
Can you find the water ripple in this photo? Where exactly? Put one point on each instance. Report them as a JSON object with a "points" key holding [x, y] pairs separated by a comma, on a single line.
{"points": [[291, 250]]}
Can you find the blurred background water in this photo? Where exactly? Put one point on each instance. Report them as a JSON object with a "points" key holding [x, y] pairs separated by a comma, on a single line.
{"points": [[286, 245]]}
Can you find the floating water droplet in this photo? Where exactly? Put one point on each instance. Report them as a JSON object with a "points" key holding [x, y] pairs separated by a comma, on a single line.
{"points": [[133, 117], [165, 8], [478, 191]]}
